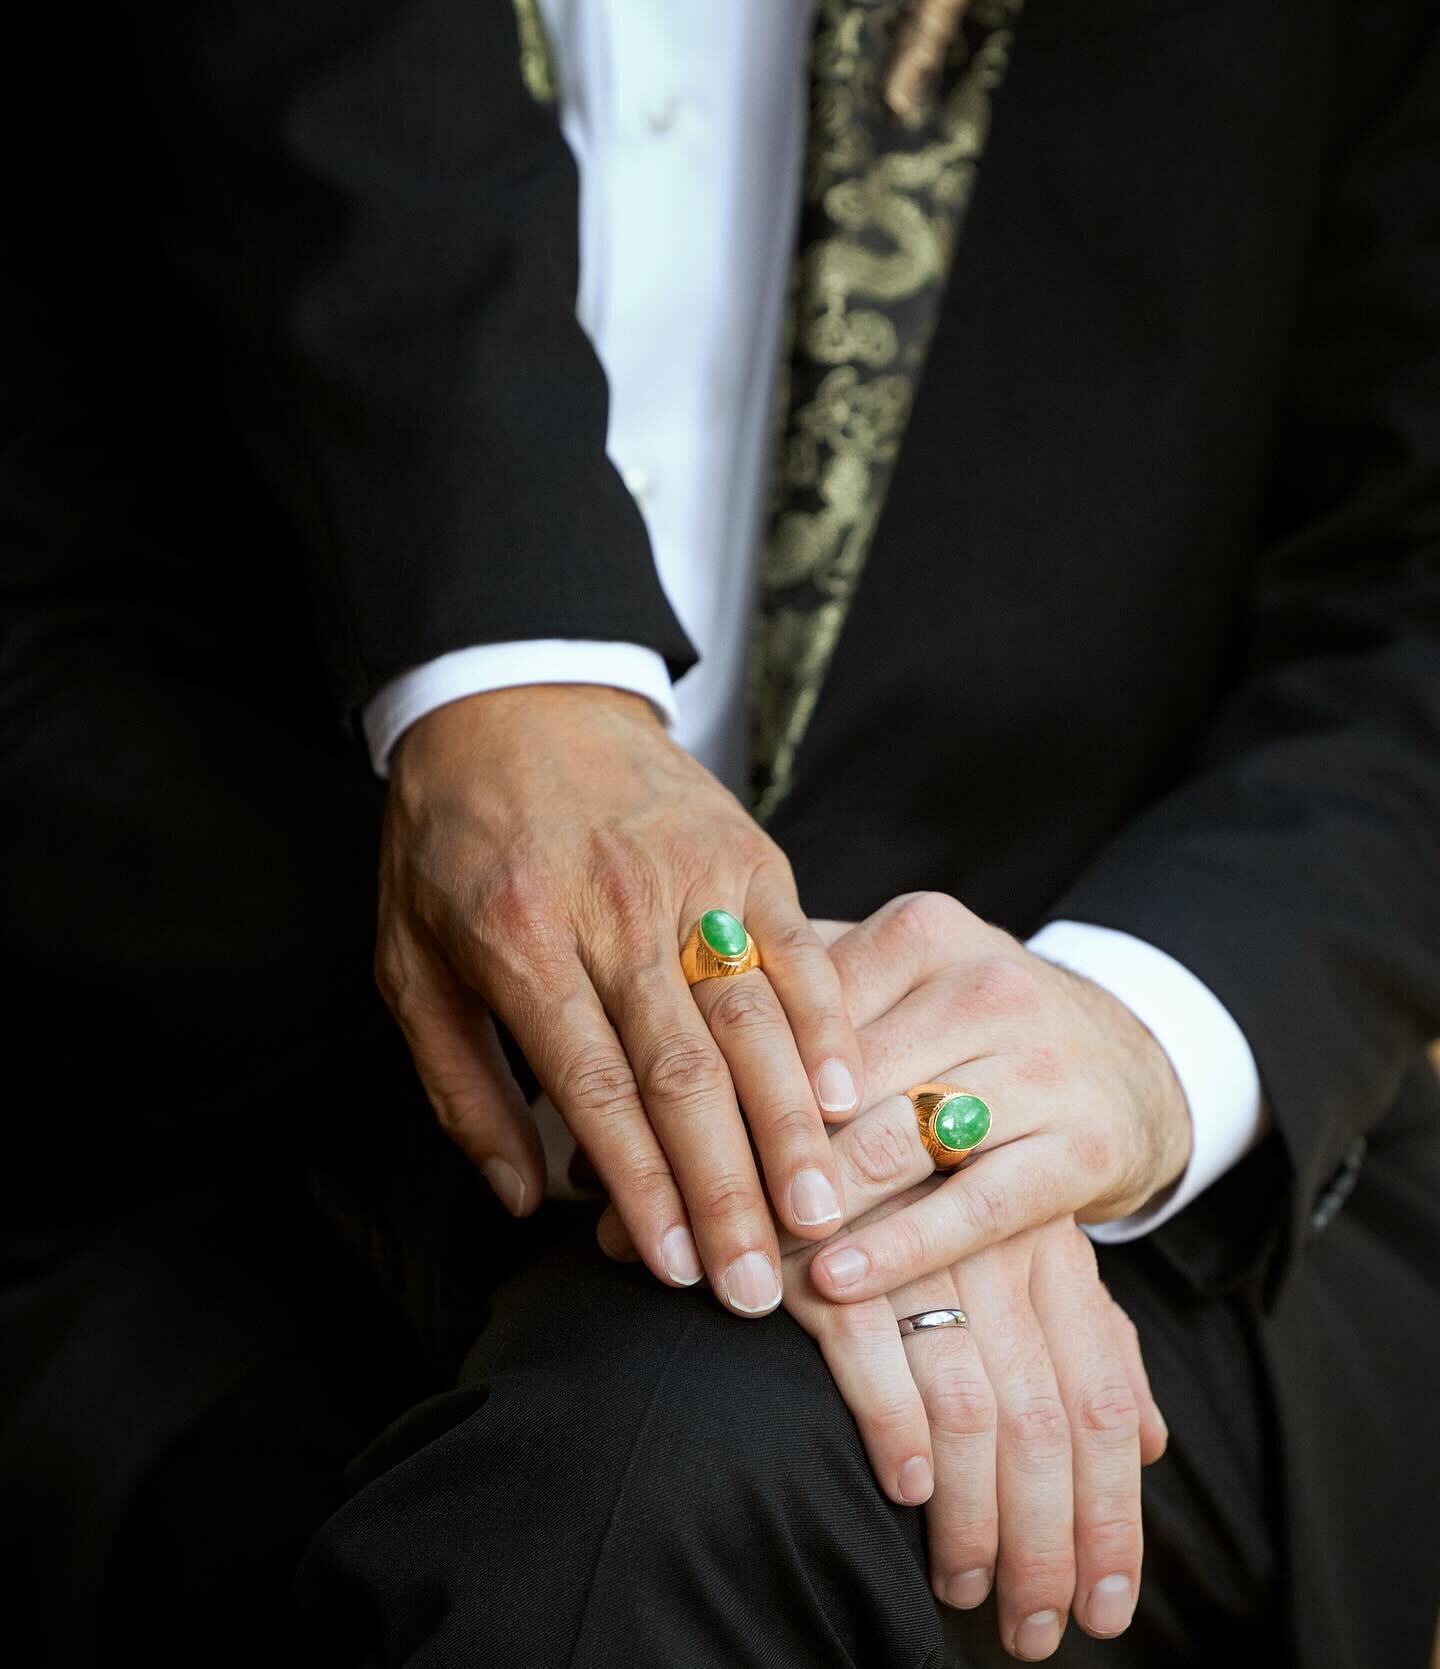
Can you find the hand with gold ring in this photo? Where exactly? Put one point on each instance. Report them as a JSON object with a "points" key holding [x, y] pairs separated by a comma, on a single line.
{"points": [[546, 853], [1089, 1118], [1023, 1435]]}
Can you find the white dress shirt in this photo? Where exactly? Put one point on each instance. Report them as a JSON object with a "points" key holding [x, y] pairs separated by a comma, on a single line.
{"points": [[687, 122]]}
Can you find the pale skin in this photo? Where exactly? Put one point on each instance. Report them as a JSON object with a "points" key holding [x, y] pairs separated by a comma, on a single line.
{"points": [[546, 850], [1025, 1435]]}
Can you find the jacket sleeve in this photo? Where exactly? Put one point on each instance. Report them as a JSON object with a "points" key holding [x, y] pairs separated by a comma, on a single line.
{"points": [[378, 226], [1296, 868]]}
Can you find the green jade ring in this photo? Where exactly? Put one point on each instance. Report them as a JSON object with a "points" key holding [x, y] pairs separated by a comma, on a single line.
{"points": [[953, 1122], [718, 948]]}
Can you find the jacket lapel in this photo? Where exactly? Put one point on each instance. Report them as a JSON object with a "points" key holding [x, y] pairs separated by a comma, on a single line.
{"points": [[883, 203]]}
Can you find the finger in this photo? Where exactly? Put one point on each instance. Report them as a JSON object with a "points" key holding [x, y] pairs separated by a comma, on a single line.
{"points": [[464, 1072], [1034, 1470], [1074, 1312], [962, 1516], [879, 1155], [829, 931], [614, 1238], [892, 951], [799, 968], [863, 1349], [1154, 1433], [689, 1101], [572, 1048], [977, 1007], [1005, 1190], [753, 1034]]}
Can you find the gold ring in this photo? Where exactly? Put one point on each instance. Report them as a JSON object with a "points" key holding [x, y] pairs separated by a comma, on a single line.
{"points": [[718, 947], [953, 1122]]}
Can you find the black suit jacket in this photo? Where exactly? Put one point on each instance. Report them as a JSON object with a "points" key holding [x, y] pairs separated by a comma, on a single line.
{"points": [[1149, 635]]}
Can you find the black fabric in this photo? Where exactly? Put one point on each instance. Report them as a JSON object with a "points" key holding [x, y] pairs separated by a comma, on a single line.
{"points": [[182, 1390], [1147, 635], [662, 1483], [336, 245]]}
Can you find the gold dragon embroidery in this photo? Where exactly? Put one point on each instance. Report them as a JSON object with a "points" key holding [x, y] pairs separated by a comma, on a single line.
{"points": [[884, 201]]}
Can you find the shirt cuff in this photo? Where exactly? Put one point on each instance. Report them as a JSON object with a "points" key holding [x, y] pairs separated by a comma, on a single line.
{"points": [[1207, 1049], [504, 666]]}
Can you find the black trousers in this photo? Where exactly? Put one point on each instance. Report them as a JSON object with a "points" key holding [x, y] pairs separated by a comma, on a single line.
{"points": [[235, 1255]]}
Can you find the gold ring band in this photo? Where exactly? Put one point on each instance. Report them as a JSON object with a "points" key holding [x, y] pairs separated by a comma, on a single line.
{"points": [[718, 947], [953, 1122]]}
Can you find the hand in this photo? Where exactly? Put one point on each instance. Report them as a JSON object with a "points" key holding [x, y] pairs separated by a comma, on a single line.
{"points": [[1025, 1435], [1034, 1422], [1090, 1119], [545, 852]]}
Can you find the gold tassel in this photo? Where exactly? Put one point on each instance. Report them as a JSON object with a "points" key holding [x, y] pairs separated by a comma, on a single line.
{"points": [[925, 38]]}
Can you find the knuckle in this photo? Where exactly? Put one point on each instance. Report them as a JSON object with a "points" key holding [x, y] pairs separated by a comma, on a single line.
{"points": [[743, 1005], [517, 903], [970, 1542], [875, 1153], [790, 1126], [599, 1085], [724, 1198], [1091, 1149], [624, 885], [905, 1249], [457, 1107], [984, 1204], [890, 1416], [1040, 1066], [1114, 1527], [1001, 985], [1038, 1426], [1043, 1573], [850, 1325], [930, 916], [960, 1405], [1108, 1412], [685, 1071], [648, 1181], [791, 939]]}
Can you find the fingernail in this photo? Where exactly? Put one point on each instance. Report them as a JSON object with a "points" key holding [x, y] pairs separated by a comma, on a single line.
{"points": [[751, 1284], [678, 1254], [1111, 1603], [1038, 1635], [507, 1183], [813, 1200], [846, 1266], [835, 1088], [917, 1481], [967, 1590]]}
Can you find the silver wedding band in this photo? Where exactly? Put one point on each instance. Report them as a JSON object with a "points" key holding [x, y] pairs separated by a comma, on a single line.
{"points": [[927, 1319]]}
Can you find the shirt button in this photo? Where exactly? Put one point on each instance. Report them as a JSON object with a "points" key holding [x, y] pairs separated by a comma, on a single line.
{"points": [[660, 113]]}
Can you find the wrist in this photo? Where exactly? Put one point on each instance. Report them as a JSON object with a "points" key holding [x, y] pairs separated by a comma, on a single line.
{"points": [[460, 733], [1161, 1125]]}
